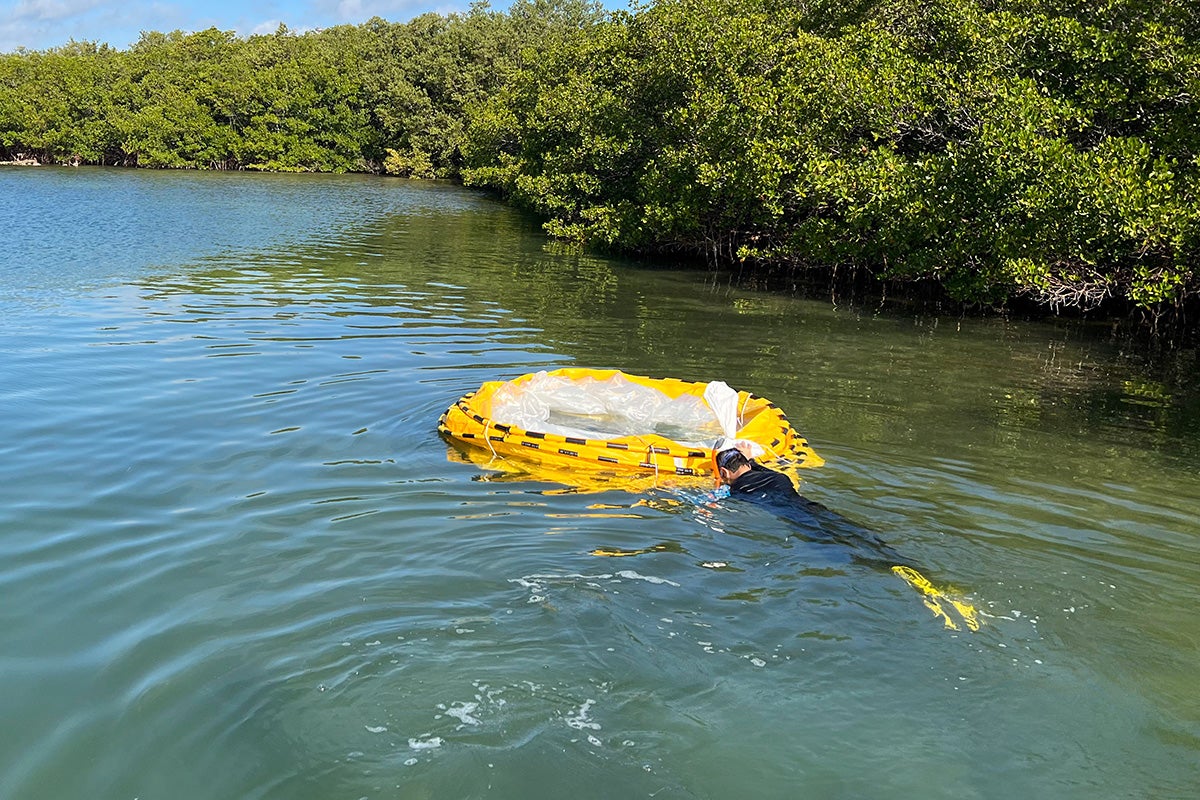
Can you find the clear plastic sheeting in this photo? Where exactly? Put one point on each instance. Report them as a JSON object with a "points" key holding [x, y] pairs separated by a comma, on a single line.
{"points": [[603, 409]]}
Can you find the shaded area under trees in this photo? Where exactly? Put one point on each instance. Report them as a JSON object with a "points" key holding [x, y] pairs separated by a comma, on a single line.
{"points": [[1038, 149]]}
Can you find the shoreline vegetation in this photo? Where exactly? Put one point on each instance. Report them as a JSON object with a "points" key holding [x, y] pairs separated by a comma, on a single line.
{"points": [[1042, 154]]}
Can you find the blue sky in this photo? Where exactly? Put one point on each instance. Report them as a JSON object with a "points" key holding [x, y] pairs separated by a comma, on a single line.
{"points": [[39, 24]]}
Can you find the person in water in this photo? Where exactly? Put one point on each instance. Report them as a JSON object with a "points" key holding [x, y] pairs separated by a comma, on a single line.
{"points": [[808, 519], [749, 480]]}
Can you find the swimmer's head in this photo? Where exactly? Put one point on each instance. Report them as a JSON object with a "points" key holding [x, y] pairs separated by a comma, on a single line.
{"points": [[730, 464]]}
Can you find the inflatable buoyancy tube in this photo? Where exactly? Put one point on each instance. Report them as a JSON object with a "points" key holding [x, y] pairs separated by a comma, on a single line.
{"points": [[609, 421]]}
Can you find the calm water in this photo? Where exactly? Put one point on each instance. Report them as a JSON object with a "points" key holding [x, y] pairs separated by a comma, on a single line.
{"points": [[236, 560]]}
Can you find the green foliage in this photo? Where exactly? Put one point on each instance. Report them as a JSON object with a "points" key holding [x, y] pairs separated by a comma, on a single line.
{"points": [[1037, 147], [1045, 148], [379, 96]]}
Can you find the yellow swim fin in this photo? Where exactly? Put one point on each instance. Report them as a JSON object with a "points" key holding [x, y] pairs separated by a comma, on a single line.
{"points": [[933, 598]]}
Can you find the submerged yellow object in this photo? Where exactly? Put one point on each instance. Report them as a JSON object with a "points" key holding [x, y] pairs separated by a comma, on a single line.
{"points": [[626, 445], [933, 598]]}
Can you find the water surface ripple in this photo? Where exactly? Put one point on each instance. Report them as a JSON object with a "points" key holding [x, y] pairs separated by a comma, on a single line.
{"points": [[236, 560]]}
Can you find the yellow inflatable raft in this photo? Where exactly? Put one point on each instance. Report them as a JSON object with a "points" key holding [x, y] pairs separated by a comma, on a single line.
{"points": [[578, 419]]}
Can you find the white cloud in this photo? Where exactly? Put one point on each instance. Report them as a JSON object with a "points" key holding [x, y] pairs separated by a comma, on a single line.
{"points": [[265, 28], [52, 9], [42, 24], [37, 24], [355, 11]]}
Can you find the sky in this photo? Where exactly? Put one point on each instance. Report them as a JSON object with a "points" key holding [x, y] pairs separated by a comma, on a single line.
{"points": [[41, 24]]}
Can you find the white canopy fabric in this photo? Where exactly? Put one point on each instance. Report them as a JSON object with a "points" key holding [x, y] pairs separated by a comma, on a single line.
{"points": [[723, 400]]}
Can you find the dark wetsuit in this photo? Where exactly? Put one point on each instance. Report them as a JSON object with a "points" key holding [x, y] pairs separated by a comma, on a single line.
{"points": [[770, 487], [809, 519]]}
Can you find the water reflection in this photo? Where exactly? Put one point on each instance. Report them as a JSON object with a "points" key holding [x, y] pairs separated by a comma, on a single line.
{"points": [[234, 548], [1017, 379]]}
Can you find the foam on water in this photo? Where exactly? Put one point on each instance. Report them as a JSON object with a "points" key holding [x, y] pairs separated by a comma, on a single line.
{"points": [[579, 719], [540, 584], [427, 743], [462, 712]]}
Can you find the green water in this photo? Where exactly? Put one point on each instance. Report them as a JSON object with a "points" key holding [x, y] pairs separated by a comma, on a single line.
{"points": [[237, 562]]}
